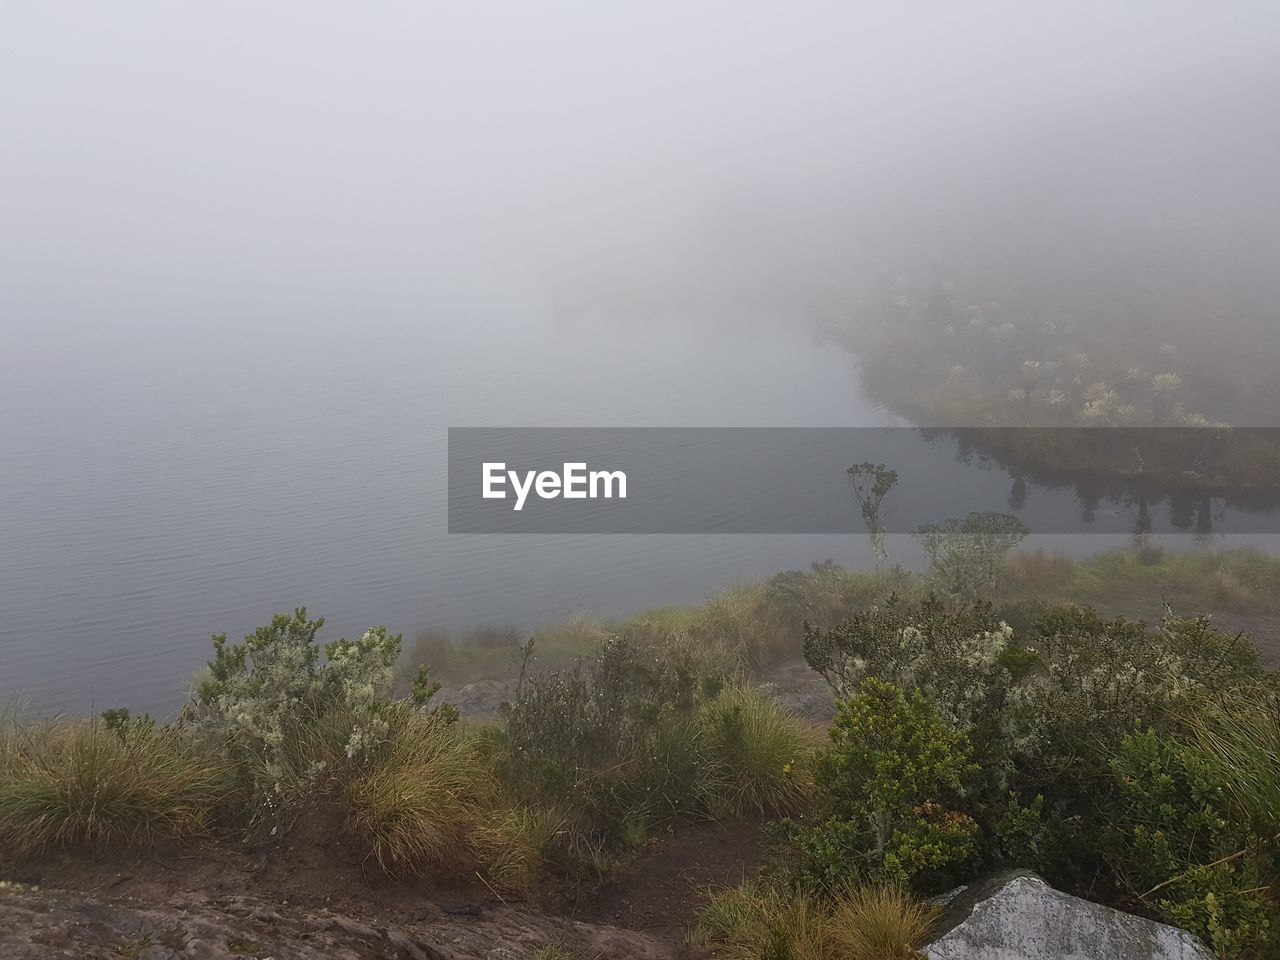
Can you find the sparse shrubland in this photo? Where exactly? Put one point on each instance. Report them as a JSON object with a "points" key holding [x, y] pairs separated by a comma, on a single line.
{"points": [[634, 736], [753, 626], [1136, 763]]}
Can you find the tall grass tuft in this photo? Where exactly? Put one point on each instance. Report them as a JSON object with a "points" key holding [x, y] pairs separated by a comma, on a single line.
{"points": [[1241, 737], [420, 800], [80, 785], [429, 802], [757, 920], [880, 923], [739, 619], [757, 754]]}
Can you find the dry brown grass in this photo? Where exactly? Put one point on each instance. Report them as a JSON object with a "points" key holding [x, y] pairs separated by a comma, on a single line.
{"points": [[880, 923], [430, 803], [755, 921]]}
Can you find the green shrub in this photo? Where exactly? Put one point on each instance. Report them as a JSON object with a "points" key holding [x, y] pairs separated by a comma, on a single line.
{"points": [[952, 655], [1176, 849], [825, 595], [967, 556], [886, 788], [80, 785], [1041, 716], [1100, 678]]}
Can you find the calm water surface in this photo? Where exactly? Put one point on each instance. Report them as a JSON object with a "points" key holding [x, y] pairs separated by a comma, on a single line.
{"points": [[155, 493], [147, 503]]}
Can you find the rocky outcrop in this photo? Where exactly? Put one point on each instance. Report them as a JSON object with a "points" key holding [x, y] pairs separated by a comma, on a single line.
{"points": [[44, 925], [1017, 916]]}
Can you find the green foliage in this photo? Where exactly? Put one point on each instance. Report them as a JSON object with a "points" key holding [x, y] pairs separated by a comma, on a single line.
{"points": [[881, 922], [950, 654], [1175, 848], [825, 595], [1240, 737], [1019, 832], [927, 688], [123, 723], [1100, 678], [740, 620], [886, 785], [427, 802], [636, 735], [1240, 580], [757, 921]]}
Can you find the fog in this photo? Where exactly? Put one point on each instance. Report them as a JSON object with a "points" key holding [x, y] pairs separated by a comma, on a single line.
{"points": [[256, 258], [302, 165]]}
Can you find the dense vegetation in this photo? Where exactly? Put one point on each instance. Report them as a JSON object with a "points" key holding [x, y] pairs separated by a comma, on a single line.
{"points": [[1133, 763]]}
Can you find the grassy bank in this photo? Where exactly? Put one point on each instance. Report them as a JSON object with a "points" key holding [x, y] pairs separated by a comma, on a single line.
{"points": [[758, 623]]}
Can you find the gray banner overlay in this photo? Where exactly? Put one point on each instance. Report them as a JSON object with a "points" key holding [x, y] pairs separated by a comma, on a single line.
{"points": [[795, 480]]}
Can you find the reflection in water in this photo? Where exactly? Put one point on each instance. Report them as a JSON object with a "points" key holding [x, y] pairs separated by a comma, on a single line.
{"points": [[1191, 474]]}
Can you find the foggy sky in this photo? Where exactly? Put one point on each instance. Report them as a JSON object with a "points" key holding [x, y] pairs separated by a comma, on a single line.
{"points": [[170, 165]]}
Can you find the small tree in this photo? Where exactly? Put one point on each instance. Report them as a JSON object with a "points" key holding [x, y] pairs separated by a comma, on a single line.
{"points": [[871, 483]]}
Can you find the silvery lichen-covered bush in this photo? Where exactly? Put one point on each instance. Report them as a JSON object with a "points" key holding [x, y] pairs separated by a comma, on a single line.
{"points": [[950, 654], [290, 717], [1095, 680]]}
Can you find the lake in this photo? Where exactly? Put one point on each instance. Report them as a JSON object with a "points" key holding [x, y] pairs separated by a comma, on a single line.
{"points": [[161, 488]]}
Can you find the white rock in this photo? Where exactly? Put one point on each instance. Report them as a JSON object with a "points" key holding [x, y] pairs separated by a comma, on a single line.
{"points": [[1017, 916]]}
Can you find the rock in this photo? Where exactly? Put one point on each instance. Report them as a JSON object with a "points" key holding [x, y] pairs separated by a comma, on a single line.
{"points": [[62, 925], [1017, 916], [481, 699], [799, 689]]}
